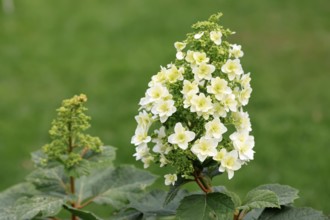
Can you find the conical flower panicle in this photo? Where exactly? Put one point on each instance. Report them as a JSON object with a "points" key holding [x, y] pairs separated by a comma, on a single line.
{"points": [[69, 143], [192, 114]]}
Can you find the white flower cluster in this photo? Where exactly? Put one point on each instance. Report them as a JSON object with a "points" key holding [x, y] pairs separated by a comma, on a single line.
{"points": [[193, 108]]}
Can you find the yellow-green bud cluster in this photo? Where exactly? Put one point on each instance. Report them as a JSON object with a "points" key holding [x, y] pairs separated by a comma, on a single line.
{"points": [[69, 143]]}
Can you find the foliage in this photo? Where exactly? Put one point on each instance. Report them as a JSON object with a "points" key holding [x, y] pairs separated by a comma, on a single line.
{"points": [[275, 202], [73, 171]]}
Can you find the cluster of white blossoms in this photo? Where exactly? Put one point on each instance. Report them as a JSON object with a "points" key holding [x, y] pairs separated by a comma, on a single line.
{"points": [[192, 113]]}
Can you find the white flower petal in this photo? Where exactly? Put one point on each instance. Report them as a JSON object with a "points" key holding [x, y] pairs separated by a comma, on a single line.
{"points": [[198, 35]]}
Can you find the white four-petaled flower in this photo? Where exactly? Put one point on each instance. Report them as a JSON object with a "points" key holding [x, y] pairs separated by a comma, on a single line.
{"points": [[141, 151], [203, 71], [215, 129], [174, 74], [241, 121], [181, 137], [180, 55], [200, 57], [198, 35], [141, 136], [189, 87], [204, 148], [179, 46], [157, 92], [229, 102], [219, 87], [170, 179], [164, 108], [233, 68], [201, 103], [216, 37], [243, 143], [220, 155], [144, 119], [230, 163], [236, 51]]}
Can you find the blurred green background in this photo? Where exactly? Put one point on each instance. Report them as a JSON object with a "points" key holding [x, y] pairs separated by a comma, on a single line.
{"points": [[51, 50]]}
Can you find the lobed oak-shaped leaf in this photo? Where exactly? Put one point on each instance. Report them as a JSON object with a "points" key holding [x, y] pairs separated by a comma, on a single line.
{"points": [[234, 197], [103, 159], [286, 194], [128, 214], [38, 158], [49, 180], [253, 214], [206, 207], [86, 215], [174, 189], [10, 196], [152, 204], [113, 185], [39, 205], [291, 213], [256, 199], [7, 214]]}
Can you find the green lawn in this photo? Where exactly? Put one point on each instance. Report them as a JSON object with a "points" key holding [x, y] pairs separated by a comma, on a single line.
{"points": [[51, 50]]}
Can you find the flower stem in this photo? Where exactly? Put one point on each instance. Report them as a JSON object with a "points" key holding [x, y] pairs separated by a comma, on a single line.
{"points": [[72, 185], [202, 183], [239, 215], [72, 180], [89, 201]]}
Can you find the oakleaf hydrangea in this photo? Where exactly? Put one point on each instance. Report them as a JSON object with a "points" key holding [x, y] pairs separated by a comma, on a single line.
{"points": [[192, 114]]}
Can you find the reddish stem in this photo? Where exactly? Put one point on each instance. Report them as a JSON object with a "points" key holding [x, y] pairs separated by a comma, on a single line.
{"points": [[239, 215], [72, 180], [86, 203], [84, 151], [199, 180]]}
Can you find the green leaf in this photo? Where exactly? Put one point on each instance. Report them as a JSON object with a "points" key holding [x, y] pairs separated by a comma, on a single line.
{"points": [[206, 207], [7, 214], [99, 160], [81, 169], [49, 180], [128, 214], [234, 197], [211, 169], [286, 194], [292, 213], [253, 214], [41, 205], [10, 196], [93, 160], [258, 198], [113, 185], [39, 158], [86, 215], [152, 204]]}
